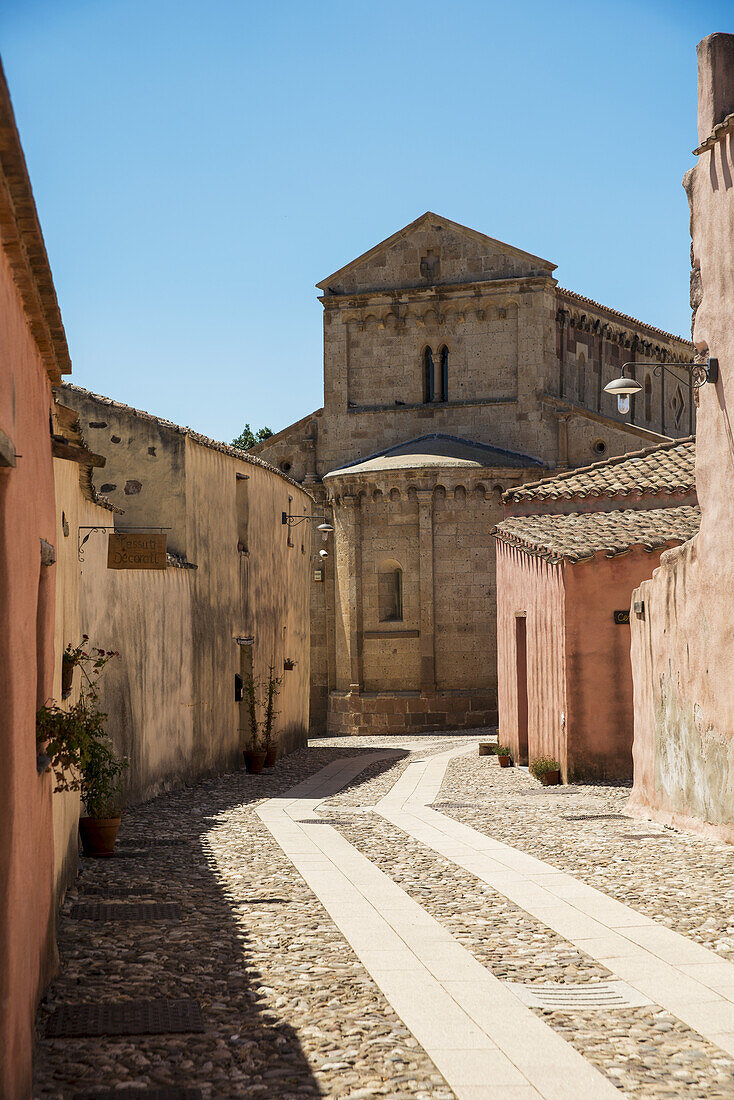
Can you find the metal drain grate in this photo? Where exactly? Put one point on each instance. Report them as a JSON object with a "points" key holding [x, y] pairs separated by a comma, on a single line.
{"points": [[460, 805], [119, 911], [595, 817], [267, 901], [125, 1018], [644, 836], [113, 891], [167, 1093], [325, 821], [159, 841], [565, 997]]}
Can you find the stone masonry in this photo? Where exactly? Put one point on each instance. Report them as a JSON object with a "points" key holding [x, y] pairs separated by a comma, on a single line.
{"points": [[454, 368]]}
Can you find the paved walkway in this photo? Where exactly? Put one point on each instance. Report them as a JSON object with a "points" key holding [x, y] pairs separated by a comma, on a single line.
{"points": [[344, 938], [483, 1040]]}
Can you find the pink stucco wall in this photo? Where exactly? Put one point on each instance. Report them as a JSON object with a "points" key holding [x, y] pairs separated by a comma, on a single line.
{"points": [[578, 664], [26, 679], [529, 585], [683, 650]]}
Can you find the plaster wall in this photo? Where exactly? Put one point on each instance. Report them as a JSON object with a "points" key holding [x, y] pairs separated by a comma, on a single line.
{"points": [[171, 696], [532, 588], [682, 650], [599, 718], [27, 949], [73, 511]]}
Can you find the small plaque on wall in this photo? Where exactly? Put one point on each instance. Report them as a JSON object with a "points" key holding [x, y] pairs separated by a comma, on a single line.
{"points": [[136, 550], [622, 618]]}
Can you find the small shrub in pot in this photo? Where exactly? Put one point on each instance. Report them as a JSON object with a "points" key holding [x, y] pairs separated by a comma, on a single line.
{"points": [[504, 757], [546, 770]]}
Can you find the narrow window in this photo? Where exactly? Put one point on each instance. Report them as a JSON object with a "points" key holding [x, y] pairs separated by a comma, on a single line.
{"points": [[444, 373], [427, 376], [648, 398], [390, 595], [242, 512]]}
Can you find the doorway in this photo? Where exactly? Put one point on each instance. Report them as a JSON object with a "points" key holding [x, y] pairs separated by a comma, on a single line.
{"points": [[521, 658]]}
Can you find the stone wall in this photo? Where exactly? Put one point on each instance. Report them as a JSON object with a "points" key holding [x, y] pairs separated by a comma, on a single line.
{"points": [[682, 653], [514, 341]]}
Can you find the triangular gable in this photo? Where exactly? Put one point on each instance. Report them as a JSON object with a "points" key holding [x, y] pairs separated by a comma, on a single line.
{"points": [[433, 251]]}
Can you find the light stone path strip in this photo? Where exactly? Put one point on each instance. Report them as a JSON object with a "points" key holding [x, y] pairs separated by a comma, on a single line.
{"points": [[482, 1039], [689, 981]]}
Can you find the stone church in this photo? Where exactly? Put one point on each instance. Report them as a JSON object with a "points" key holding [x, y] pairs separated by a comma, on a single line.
{"points": [[454, 368]]}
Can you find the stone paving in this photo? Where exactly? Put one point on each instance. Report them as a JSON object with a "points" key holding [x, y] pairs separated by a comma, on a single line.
{"points": [[290, 1011]]}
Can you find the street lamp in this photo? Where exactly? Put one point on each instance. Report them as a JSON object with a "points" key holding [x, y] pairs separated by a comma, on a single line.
{"points": [[622, 388]]}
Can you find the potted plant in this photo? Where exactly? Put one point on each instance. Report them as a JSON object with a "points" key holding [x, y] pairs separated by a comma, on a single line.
{"points": [[504, 758], [546, 770], [71, 658], [254, 755], [271, 749], [81, 754]]}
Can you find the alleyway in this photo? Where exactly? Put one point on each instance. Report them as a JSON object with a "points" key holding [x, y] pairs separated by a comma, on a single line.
{"points": [[348, 925]]}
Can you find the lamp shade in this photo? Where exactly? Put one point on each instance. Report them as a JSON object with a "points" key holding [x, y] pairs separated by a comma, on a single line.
{"points": [[618, 387]]}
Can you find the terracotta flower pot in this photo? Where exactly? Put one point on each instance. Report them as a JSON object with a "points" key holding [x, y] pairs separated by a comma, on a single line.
{"points": [[271, 755], [550, 779], [67, 677], [505, 761], [98, 835], [254, 761]]}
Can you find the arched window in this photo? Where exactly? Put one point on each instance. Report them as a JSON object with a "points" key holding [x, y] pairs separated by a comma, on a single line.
{"points": [[427, 375], [390, 592], [581, 379], [648, 398], [444, 391]]}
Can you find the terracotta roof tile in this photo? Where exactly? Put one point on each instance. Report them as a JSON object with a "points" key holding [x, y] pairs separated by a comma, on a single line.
{"points": [[564, 292], [577, 537], [665, 468]]}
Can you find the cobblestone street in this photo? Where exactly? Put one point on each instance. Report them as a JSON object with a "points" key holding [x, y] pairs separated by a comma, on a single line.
{"points": [[349, 921]]}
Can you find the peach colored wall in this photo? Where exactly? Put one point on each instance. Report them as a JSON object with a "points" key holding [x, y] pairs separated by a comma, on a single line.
{"points": [[682, 652], [600, 707], [531, 585], [27, 952], [578, 665]]}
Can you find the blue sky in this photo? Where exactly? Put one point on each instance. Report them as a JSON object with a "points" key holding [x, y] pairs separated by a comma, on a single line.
{"points": [[199, 166]]}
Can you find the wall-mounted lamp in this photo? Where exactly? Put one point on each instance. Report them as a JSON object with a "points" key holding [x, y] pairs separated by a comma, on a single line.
{"points": [[289, 520], [622, 388], [323, 553]]}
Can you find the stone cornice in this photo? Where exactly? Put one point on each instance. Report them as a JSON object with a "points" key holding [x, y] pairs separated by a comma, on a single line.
{"points": [[442, 293], [578, 308], [346, 488]]}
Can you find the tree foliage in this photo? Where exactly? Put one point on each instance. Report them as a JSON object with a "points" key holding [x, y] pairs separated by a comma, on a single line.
{"points": [[247, 438]]}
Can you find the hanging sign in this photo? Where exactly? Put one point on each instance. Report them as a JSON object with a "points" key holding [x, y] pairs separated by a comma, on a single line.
{"points": [[622, 618], [136, 550]]}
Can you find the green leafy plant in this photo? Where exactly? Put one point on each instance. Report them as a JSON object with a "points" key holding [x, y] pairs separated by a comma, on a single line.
{"points": [[252, 705], [247, 438], [542, 765], [273, 691], [270, 692], [502, 750], [78, 749]]}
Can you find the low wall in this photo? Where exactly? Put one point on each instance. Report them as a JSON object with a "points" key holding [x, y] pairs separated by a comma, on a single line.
{"points": [[409, 712]]}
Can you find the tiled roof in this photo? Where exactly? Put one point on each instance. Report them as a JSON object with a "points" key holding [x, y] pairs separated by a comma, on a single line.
{"points": [[666, 468], [720, 131], [197, 437], [561, 291], [578, 537]]}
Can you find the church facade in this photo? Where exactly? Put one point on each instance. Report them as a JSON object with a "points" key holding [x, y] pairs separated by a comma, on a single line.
{"points": [[455, 367]]}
